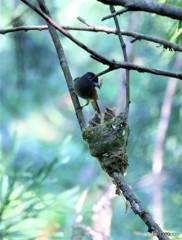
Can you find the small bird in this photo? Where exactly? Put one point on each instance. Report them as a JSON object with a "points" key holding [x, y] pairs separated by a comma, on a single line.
{"points": [[109, 113], [84, 87], [95, 120]]}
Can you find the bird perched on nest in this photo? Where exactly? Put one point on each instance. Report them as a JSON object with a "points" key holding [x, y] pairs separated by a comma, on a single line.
{"points": [[85, 87]]}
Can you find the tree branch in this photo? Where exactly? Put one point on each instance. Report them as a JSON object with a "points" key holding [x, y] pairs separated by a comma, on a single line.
{"points": [[154, 71], [137, 36], [137, 207], [123, 47], [112, 64], [64, 66], [163, 9], [67, 34]]}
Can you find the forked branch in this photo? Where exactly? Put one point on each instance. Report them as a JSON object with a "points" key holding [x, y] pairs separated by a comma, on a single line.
{"points": [[163, 9], [112, 64]]}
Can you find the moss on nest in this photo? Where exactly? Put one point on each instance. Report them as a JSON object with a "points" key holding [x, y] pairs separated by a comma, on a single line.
{"points": [[108, 142]]}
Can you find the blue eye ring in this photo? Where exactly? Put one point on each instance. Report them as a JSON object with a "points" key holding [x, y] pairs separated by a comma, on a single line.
{"points": [[90, 78]]}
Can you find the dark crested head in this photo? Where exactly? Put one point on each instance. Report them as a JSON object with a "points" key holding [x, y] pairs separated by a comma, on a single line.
{"points": [[91, 77]]}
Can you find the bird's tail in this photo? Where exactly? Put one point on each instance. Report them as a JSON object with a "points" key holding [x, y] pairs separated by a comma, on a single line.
{"points": [[96, 106]]}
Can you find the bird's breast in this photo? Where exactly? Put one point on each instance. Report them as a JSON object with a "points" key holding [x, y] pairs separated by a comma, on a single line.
{"points": [[85, 89]]}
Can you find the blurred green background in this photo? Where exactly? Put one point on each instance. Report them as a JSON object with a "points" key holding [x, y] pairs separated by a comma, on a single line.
{"points": [[45, 167]]}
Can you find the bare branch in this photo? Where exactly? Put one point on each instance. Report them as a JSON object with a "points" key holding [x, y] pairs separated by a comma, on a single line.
{"points": [[67, 34], [154, 71], [137, 207], [104, 72], [130, 66], [112, 64], [163, 9], [84, 22], [114, 14], [137, 36], [64, 66], [123, 47]]}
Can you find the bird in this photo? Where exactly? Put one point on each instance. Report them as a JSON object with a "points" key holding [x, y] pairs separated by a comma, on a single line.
{"points": [[95, 120], [84, 87], [109, 114]]}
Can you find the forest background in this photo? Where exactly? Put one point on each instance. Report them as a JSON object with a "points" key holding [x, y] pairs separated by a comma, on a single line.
{"points": [[49, 182]]}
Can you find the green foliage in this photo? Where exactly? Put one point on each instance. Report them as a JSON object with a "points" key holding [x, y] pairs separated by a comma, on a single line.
{"points": [[176, 33], [180, 25], [174, 2], [26, 204]]}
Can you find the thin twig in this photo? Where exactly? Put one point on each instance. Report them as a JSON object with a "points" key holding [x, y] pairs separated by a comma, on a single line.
{"points": [[84, 22], [114, 14], [104, 72], [64, 66], [137, 207], [137, 36], [123, 47]]}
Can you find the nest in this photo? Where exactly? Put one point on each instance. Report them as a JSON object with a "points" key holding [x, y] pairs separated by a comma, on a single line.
{"points": [[108, 142]]}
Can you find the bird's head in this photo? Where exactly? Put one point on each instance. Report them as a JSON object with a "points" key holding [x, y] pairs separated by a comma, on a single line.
{"points": [[93, 79]]}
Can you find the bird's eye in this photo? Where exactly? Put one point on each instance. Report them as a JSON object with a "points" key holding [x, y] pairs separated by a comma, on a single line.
{"points": [[90, 77]]}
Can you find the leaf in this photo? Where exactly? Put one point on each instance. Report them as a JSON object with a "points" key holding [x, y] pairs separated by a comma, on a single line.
{"points": [[179, 3], [180, 25]]}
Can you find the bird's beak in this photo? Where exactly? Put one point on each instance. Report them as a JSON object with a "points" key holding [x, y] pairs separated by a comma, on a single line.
{"points": [[98, 85]]}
